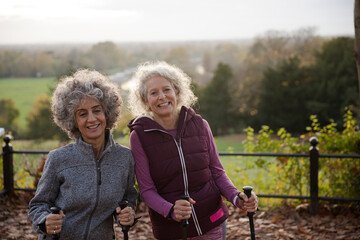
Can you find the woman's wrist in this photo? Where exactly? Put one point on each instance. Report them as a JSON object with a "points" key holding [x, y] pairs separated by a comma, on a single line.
{"points": [[240, 196], [240, 199], [169, 216]]}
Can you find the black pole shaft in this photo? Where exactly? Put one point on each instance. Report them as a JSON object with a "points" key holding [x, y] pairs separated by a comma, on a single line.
{"points": [[252, 229], [247, 191]]}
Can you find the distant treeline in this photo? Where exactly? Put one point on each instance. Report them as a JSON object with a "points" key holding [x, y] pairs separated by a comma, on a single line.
{"points": [[278, 79]]}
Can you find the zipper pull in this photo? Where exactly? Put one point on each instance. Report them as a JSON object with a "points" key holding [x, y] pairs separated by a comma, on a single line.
{"points": [[99, 174], [98, 171]]}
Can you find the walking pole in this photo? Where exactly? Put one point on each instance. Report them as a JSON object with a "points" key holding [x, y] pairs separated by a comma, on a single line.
{"points": [[247, 191], [185, 222], [55, 210], [123, 204]]}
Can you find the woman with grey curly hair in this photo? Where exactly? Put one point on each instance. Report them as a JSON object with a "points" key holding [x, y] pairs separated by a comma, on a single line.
{"points": [[85, 179], [84, 83], [177, 166]]}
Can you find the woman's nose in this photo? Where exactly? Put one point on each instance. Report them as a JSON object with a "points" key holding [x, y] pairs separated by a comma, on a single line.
{"points": [[91, 117], [161, 95]]}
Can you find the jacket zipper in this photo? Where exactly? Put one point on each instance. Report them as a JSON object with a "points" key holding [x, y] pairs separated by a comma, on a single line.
{"points": [[186, 184], [98, 180]]}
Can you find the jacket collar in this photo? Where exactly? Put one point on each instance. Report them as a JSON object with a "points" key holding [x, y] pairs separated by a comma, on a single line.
{"points": [[147, 122], [87, 148]]}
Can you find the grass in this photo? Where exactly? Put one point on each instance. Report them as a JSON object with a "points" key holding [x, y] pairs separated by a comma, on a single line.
{"points": [[24, 91], [230, 143]]}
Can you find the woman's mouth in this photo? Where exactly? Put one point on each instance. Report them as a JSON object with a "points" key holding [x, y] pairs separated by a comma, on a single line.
{"points": [[164, 104], [93, 126]]}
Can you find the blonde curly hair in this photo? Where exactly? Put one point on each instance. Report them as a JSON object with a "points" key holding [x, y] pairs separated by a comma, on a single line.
{"points": [[178, 79], [72, 89]]}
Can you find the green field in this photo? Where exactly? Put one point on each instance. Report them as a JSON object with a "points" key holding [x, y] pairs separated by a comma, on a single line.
{"points": [[24, 92]]}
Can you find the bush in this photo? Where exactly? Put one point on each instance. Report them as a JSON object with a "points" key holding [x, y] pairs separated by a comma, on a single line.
{"points": [[8, 115], [290, 176], [338, 177]]}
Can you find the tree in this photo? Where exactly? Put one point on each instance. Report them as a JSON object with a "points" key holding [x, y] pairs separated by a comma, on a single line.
{"points": [[24, 66], [8, 115], [228, 53], [357, 38], [334, 80], [39, 121], [105, 56], [216, 101], [44, 64], [207, 62], [7, 63], [270, 50], [285, 90], [290, 92], [180, 57]]}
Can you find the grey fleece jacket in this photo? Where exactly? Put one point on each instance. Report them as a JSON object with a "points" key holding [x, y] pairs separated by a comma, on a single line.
{"points": [[86, 189]]}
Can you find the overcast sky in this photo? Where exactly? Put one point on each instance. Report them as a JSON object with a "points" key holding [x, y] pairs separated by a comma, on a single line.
{"points": [[91, 21]]}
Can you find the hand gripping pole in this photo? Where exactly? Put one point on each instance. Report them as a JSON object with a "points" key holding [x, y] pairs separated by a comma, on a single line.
{"points": [[185, 222], [55, 210], [247, 191], [125, 229]]}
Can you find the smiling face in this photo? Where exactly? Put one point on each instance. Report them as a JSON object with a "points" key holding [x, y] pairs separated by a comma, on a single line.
{"points": [[90, 120], [161, 97]]}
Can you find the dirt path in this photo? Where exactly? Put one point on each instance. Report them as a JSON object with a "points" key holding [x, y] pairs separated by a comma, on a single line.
{"points": [[284, 224]]}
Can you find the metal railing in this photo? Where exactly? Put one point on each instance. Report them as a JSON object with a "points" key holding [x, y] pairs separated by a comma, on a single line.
{"points": [[313, 155]]}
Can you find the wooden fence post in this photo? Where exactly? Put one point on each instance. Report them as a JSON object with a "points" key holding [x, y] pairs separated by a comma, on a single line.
{"points": [[314, 173], [8, 167]]}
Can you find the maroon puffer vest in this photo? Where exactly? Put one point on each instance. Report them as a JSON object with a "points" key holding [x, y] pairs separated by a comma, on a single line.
{"points": [[165, 154]]}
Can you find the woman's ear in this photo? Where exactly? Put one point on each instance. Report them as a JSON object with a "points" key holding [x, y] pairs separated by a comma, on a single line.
{"points": [[144, 100]]}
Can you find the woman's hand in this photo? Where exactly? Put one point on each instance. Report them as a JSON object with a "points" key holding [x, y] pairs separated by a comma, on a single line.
{"points": [[249, 204], [53, 222], [126, 216], [182, 209]]}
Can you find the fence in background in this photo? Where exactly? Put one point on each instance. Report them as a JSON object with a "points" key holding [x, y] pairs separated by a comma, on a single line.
{"points": [[313, 155]]}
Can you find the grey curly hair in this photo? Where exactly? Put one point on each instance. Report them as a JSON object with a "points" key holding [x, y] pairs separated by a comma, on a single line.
{"points": [[178, 78], [72, 89]]}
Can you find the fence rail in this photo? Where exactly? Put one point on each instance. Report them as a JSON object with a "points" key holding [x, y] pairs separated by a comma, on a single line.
{"points": [[313, 155]]}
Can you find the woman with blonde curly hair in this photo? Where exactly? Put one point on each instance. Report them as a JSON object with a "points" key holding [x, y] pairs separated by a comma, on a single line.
{"points": [[85, 179], [176, 158]]}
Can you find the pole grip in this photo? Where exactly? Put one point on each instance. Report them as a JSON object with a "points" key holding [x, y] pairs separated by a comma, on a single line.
{"points": [[185, 222], [55, 210], [247, 191], [123, 204]]}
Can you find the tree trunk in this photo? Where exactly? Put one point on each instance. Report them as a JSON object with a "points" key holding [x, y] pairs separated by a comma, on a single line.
{"points": [[357, 38]]}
